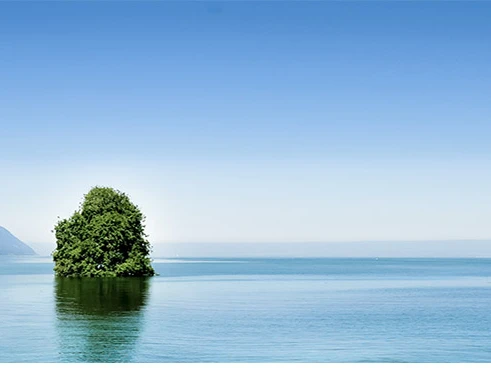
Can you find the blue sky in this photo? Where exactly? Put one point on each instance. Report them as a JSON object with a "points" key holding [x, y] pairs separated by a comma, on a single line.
{"points": [[250, 121]]}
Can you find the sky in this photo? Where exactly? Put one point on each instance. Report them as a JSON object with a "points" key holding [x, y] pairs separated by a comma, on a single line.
{"points": [[250, 121]]}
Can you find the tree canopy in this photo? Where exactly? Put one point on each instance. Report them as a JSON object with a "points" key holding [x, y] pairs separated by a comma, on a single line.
{"points": [[105, 237]]}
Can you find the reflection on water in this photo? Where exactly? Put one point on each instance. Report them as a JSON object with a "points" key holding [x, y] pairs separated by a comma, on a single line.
{"points": [[265, 310], [99, 320]]}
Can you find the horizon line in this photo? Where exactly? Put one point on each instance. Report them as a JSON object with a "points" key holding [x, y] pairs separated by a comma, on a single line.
{"points": [[299, 241]]}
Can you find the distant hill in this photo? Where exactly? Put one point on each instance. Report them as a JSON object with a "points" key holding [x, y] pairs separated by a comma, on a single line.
{"points": [[10, 245]]}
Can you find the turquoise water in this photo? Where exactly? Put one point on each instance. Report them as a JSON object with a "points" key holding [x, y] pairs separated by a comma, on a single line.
{"points": [[251, 310]]}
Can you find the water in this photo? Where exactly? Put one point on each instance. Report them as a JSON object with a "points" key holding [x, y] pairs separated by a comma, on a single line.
{"points": [[251, 310]]}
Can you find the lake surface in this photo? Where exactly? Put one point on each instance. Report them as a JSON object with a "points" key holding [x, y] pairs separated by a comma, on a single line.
{"points": [[251, 310]]}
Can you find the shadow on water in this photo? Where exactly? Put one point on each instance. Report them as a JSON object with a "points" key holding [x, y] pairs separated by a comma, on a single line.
{"points": [[99, 320]]}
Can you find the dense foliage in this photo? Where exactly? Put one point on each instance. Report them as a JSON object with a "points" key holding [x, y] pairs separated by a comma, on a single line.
{"points": [[104, 238]]}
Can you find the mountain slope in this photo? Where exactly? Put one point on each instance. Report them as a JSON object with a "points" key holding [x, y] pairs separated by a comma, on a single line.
{"points": [[9, 244]]}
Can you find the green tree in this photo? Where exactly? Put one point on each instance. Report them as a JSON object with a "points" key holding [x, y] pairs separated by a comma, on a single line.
{"points": [[104, 238]]}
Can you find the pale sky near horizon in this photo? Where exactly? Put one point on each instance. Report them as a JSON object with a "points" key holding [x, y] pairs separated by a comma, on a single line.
{"points": [[248, 121]]}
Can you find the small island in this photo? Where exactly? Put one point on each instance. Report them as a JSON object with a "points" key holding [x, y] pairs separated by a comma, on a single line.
{"points": [[104, 238]]}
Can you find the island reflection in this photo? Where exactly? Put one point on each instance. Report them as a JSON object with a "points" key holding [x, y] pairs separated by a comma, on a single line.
{"points": [[99, 319]]}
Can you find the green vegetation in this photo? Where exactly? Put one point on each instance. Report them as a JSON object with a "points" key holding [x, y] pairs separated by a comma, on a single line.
{"points": [[104, 238]]}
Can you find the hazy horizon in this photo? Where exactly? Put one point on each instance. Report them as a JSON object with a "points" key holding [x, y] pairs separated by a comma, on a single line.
{"points": [[469, 248]]}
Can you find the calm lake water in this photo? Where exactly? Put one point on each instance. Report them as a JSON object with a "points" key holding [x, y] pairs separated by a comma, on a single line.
{"points": [[251, 310]]}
